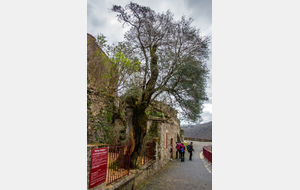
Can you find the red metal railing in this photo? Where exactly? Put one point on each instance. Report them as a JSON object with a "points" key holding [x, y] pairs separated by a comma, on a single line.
{"points": [[147, 155], [118, 162], [207, 152]]}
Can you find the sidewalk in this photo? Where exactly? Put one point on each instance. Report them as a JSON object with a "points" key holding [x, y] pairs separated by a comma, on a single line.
{"points": [[192, 175]]}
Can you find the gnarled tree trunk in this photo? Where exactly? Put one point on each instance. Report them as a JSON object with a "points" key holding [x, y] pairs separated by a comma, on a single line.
{"points": [[139, 117], [139, 132]]}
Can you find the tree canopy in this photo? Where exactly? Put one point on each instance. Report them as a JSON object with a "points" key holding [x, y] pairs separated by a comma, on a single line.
{"points": [[173, 58]]}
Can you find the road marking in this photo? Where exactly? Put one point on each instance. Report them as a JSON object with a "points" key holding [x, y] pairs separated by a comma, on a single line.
{"points": [[207, 164]]}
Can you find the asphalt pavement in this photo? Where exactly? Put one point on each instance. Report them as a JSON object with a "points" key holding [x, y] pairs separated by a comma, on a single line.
{"points": [[192, 175]]}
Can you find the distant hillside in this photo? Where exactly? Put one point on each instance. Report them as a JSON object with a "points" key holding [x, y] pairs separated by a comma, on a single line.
{"points": [[202, 131]]}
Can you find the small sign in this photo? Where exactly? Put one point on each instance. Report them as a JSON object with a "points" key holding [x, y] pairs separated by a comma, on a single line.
{"points": [[98, 166]]}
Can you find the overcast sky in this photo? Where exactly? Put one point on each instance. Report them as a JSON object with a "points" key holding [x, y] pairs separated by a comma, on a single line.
{"points": [[101, 20]]}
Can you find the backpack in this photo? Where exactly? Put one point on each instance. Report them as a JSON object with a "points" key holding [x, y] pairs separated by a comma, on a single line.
{"points": [[182, 149], [188, 148]]}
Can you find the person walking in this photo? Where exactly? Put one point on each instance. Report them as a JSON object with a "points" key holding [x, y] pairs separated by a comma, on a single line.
{"points": [[182, 151], [171, 152], [190, 150], [178, 155]]}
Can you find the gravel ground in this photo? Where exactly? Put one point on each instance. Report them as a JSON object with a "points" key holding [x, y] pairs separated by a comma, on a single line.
{"points": [[183, 175]]}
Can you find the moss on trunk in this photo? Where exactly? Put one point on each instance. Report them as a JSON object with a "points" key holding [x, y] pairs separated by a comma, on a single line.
{"points": [[139, 132]]}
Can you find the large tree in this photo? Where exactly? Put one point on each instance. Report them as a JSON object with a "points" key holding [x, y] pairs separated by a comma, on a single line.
{"points": [[172, 55]]}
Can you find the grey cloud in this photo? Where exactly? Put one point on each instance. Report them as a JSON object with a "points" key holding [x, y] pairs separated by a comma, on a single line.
{"points": [[201, 7], [89, 10], [201, 11], [97, 17], [206, 116], [97, 22]]}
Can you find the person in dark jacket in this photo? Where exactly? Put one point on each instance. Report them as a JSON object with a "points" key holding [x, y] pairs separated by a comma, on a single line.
{"points": [[178, 150], [182, 151], [190, 150], [171, 151]]}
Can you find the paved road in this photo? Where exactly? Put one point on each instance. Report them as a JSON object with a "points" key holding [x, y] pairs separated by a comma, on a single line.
{"points": [[192, 175]]}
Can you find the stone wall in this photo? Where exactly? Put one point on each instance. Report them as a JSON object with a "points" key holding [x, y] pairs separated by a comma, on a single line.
{"points": [[102, 121], [182, 134], [98, 65], [93, 47], [98, 107], [102, 124], [168, 109], [168, 134]]}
